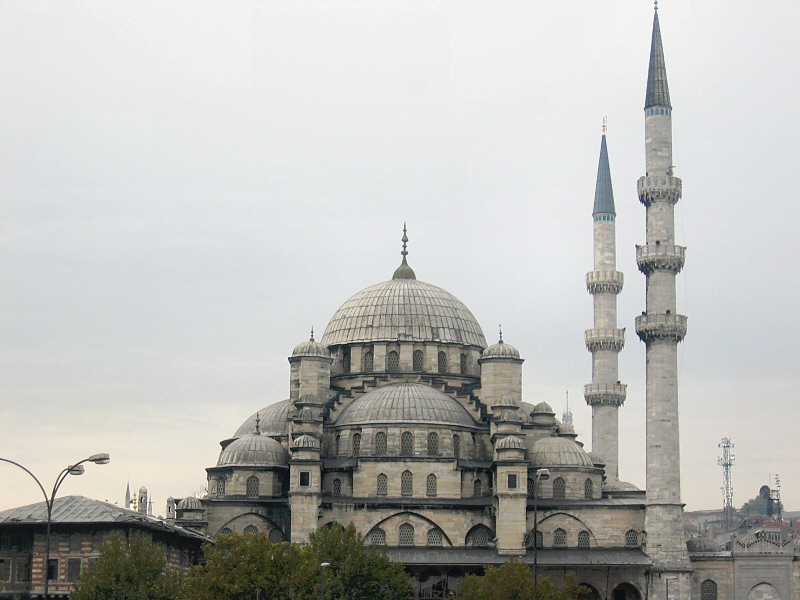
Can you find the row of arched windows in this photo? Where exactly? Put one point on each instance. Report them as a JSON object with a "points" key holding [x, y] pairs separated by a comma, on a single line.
{"points": [[251, 487], [434, 537], [406, 485], [393, 362], [406, 444], [560, 488], [584, 539]]}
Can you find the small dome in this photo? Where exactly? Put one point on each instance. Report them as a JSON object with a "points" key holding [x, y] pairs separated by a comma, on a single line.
{"points": [[305, 414], [311, 348], [306, 441], [308, 399], [500, 350], [273, 420], [619, 486], [254, 450], [543, 408], [190, 503], [406, 403], [702, 544], [597, 460], [511, 442], [559, 452]]}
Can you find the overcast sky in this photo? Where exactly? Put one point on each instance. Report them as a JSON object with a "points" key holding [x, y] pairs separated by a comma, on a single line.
{"points": [[186, 188]]}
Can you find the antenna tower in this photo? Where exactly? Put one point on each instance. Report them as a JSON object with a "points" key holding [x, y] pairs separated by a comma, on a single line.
{"points": [[726, 462], [775, 494]]}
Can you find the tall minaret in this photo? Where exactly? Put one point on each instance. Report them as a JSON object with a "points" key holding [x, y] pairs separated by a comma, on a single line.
{"points": [[605, 394], [661, 328]]}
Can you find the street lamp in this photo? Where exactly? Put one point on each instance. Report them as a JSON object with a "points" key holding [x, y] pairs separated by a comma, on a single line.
{"points": [[541, 474], [323, 566], [76, 469], [668, 579]]}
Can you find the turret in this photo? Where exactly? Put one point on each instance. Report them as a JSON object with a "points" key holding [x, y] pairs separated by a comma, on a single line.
{"points": [[511, 495], [501, 375], [305, 487], [310, 371], [141, 505]]}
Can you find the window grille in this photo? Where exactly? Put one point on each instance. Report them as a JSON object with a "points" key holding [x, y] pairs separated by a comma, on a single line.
{"points": [[368, 361], [531, 485], [356, 444], [377, 537], [631, 539], [435, 537], [380, 443], [442, 360], [583, 539], [479, 538], [708, 590], [251, 529], [221, 487], [559, 488], [382, 485], [430, 486], [275, 536], [417, 359], [225, 531], [346, 363], [407, 444], [456, 446], [337, 487], [559, 538], [252, 487], [433, 444], [393, 361], [406, 483], [462, 365], [75, 542], [477, 488], [73, 569], [539, 540], [406, 537], [588, 489]]}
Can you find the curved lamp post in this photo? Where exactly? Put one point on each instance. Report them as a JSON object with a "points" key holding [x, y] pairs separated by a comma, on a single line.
{"points": [[322, 568], [541, 474], [76, 469]]}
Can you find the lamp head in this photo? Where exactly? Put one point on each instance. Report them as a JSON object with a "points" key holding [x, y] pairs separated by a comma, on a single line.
{"points": [[100, 459], [75, 469], [543, 474], [325, 564]]}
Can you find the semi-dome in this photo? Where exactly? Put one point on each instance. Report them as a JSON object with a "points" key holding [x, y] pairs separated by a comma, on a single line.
{"points": [[254, 450], [190, 503], [405, 403], [272, 420], [403, 309], [511, 442], [559, 452], [500, 350], [306, 441]]}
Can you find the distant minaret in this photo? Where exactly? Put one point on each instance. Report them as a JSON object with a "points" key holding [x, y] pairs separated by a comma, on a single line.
{"points": [[605, 340], [660, 328], [128, 495]]}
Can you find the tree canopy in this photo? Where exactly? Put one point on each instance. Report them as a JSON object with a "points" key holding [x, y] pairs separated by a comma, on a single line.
{"points": [[514, 581]]}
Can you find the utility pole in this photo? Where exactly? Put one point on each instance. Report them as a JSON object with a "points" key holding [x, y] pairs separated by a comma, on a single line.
{"points": [[726, 462]]}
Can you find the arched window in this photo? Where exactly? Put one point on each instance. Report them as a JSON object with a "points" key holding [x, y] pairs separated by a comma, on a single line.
{"points": [[377, 537], [583, 539], [588, 489], [356, 444], [346, 362], [380, 443], [417, 359], [433, 444], [478, 537], [251, 529], [367, 360], [434, 537], [337, 487], [631, 539], [393, 361], [275, 536], [559, 538], [531, 485], [221, 486], [252, 487], [462, 364], [336, 445], [406, 483], [407, 444], [442, 360], [539, 540], [382, 485], [406, 537], [708, 590], [430, 486], [477, 488], [456, 446], [559, 488], [225, 531]]}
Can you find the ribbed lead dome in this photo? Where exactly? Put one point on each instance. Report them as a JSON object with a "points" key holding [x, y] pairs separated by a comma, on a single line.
{"points": [[405, 310], [559, 452], [406, 403], [273, 420], [254, 450]]}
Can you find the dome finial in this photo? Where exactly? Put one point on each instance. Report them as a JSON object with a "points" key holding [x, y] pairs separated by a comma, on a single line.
{"points": [[604, 126], [404, 271], [500, 327], [404, 252], [258, 424], [655, 4], [312, 334]]}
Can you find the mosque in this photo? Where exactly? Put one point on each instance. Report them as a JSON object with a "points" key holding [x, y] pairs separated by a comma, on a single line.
{"points": [[404, 421]]}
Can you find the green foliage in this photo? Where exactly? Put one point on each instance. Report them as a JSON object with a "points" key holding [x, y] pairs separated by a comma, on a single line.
{"points": [[762, 504], [132, 570], [514, 581], [238, 565]]}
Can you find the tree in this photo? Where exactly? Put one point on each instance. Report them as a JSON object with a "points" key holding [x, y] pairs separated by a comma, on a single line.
{"points": [[763, 504], [239, 565], [135, 569], [514, 581]]}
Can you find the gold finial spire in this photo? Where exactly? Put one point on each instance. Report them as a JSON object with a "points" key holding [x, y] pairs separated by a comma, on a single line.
{"points": [[500, 327], [604, 125]]}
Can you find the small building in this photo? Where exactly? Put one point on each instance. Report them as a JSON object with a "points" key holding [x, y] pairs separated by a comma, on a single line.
{"points": [[79, 527]]}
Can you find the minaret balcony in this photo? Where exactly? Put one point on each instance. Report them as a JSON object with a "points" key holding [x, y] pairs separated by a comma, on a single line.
{"points": [[604, 339], [660, 257], [609, 394], [661, 327], [608, 282], [659, 188]]}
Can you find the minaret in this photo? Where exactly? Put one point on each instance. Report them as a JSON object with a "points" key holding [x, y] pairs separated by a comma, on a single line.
{"points": [[605, 340], [660, 328]]}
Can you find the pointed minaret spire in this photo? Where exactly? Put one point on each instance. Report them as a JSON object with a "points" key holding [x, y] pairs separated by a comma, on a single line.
{"points": [[657, 88], [404, 271], [128, 495], [603, 191]]}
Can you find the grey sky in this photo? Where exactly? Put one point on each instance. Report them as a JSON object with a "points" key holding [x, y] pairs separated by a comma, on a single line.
{"points": [[186, 188]]}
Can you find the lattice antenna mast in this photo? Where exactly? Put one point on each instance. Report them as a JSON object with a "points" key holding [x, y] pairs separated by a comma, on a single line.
{"points": [[726, 462], [775, 494]]}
